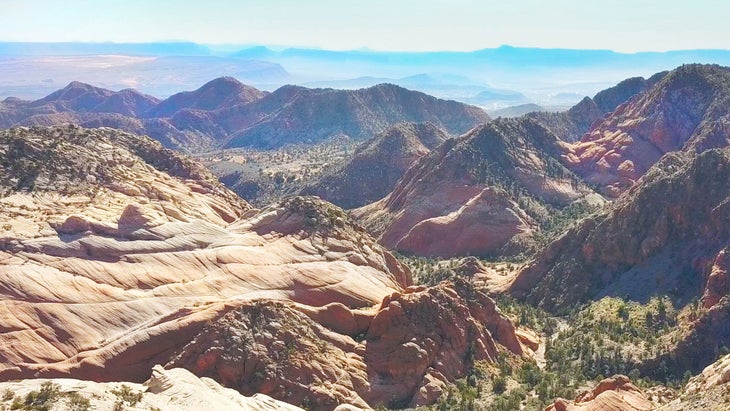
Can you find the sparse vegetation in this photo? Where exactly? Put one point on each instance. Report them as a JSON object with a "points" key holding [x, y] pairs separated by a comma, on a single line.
{"points": [[77, 402], [126, 397], [265, 176], [40, 400]]}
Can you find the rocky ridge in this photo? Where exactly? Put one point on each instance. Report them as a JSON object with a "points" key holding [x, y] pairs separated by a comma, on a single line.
{"points": [[569, 125], [631, 233], [609, 99], [684, 111], [400, 353], [226, 113], [166, 390], [485, 193]]}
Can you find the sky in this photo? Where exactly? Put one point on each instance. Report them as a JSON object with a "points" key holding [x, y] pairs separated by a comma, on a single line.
{"points": [[387, 25]]}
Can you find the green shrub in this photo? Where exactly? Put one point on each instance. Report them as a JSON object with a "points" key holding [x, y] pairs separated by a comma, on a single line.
{"points": [[77, 402], [125, 395], [499, 384], [43, 399]]}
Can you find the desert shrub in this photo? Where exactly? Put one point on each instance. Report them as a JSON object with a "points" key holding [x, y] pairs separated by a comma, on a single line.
{"points": [[77, 402], [43, 399], [126, 396]]}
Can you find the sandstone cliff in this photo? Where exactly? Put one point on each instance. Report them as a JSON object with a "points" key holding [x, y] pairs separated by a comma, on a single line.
{"points": [[612, 394], [166, 390]]}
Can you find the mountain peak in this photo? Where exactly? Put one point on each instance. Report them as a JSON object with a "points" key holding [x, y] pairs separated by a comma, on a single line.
{"points": [[213, 95], [223, 81]]}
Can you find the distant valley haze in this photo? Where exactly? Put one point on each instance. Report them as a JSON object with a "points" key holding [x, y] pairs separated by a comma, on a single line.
{"points": [[491, 54], [492, 78]]}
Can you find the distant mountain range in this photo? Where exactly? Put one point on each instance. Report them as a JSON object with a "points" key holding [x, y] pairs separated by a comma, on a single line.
{"points": [[226, 113], [543, 76]]}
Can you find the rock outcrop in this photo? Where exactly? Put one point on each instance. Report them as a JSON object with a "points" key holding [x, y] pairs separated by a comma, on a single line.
{"points": [[612, 394], [115, 252], [401, 352], [377, 165], [710, 390], [685, 110], [484, 193], [166, 390]]}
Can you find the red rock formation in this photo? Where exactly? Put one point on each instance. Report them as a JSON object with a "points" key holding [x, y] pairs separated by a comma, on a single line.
{"points": [[612, 394], [481, 194], [638, 231], [718, 279], [401, 352], [114, 252], [377, 165], [682, 111]]}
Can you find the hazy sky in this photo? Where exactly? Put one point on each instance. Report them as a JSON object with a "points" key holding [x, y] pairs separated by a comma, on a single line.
{"points": [[621, 25]]}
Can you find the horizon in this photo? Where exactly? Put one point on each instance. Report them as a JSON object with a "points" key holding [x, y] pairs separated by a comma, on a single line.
{"points": [[405, 26], [280, 48]]}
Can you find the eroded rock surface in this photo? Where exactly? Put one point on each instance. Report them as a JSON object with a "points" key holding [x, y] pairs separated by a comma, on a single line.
{"points": [[166, 390], [114, 252], [612, 394], [401, 352], [685, 110]]}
